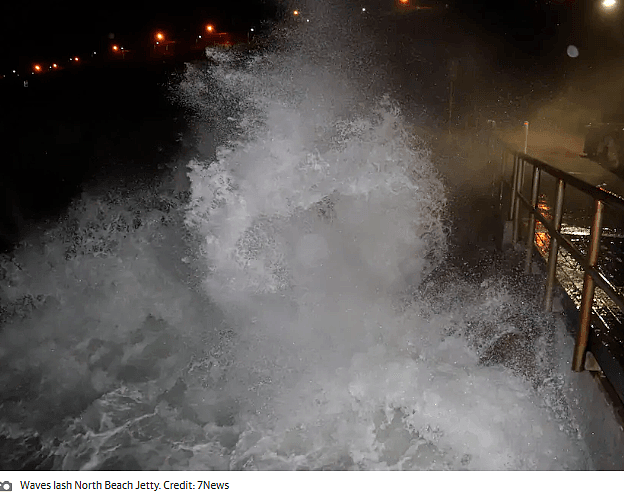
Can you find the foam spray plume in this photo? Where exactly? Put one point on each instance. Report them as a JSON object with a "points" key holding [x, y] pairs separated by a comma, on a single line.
{"points": [[317, 221]]}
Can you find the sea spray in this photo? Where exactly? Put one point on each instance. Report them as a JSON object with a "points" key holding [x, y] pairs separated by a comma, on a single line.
{"points": [[315, 227]]}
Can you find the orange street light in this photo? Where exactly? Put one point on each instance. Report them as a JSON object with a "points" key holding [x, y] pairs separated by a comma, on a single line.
{"points": [[115, 48], [160, 36], [55, 66], [210, 28], [76, 59], [295, 12], [37, 68]]}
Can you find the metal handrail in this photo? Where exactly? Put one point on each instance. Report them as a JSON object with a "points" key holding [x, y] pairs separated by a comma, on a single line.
{"points": [[592, 275], [609, 198]]}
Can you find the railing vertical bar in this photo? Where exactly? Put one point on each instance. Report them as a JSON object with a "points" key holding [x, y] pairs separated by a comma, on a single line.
{"points": [[530, 240], [587, 298], [553, 251], [503, 170], [516, 218], [514, 184]]}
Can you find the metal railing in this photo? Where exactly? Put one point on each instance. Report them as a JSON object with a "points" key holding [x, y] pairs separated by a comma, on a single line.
{"points": [[592, 276]]}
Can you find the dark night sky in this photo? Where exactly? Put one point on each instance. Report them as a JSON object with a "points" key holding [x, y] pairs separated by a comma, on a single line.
{"points": [[538, 25], [43, 29]]}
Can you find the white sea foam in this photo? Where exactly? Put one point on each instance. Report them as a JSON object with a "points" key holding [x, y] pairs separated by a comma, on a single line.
{"points": [[315, 223]]}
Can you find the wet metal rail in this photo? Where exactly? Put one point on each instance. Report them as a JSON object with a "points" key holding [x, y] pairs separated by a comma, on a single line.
{"points": [[517, 167]]}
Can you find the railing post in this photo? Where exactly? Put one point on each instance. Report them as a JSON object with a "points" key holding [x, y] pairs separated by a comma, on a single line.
{"points": [[553, 251], [501, 190], [514, 184], [516, 215], [587, 299], [531, 226]]}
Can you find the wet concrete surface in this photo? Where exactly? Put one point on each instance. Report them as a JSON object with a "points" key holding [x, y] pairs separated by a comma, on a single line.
{"points": [[562, 150]]}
